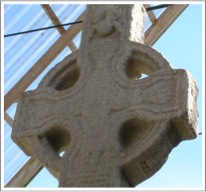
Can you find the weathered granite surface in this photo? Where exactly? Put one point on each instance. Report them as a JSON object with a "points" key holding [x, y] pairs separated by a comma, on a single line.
{"points": [[115, 127]]}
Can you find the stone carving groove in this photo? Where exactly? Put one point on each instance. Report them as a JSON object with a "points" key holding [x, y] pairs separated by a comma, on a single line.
{"points": [[115, 126]]}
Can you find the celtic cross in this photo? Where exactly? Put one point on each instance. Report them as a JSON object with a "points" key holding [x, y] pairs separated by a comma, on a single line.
{"points": [[115, 126]]}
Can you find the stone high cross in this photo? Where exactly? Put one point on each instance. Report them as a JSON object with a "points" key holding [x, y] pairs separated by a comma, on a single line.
{"points": [[115, 126]]}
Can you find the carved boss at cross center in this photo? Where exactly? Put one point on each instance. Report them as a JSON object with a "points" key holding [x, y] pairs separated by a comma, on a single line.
{"points": [[116, 127]]}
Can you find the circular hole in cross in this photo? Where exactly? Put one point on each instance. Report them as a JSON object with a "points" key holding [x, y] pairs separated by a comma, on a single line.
{"points": [[64, 76], [58, 138], [133, 131], [136, 68]]}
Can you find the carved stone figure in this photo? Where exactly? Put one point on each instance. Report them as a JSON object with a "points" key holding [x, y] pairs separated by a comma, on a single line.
{"points": [[115, 126]]}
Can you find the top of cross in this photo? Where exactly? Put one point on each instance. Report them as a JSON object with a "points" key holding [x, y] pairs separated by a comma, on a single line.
{"points": [[126, 22]]}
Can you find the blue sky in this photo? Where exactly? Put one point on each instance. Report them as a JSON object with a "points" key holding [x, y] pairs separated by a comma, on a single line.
{"points": [[181, 44]]}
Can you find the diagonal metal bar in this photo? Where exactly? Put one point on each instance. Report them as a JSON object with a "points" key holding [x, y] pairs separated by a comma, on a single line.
{"points": [[163, 23], [22, 178], [56, 21], [150, 14], [8, 119], [42, 63], [157, 7]]}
